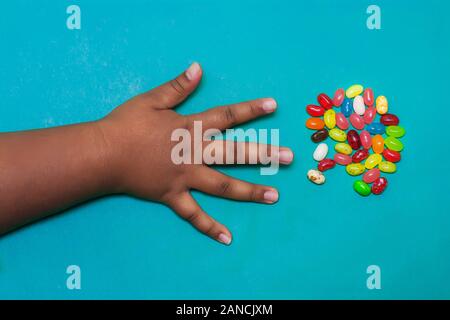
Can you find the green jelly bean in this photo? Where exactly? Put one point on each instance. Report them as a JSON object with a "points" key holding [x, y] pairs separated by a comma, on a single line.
{"points": [[355, 169], [395, 131], [387, 166], [393, 143], [361, 187], [337, 134]]}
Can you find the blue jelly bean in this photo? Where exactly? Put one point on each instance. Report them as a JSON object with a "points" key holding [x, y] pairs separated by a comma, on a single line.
{"points": [[376, 128], [347, 107]]}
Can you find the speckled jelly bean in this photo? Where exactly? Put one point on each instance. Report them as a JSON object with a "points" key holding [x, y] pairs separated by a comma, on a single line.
{"points": [[369, 115], [373, 160], [343, 148], [353, 139], [376, 128], [377, 144], [366, 139], [358, 105], [315, 123], [382, 105], [391, 155], [325, 101], [315, 111], [387, 167], [360, 155], [362, 188], [393, 144], [330, 119], [357, 121], [379, 185], [347, 107], [337, 134], [371, 175], [316, 176], [338, 98], [368, 97], [354, 169], [342, 159], [389, 119], [341, 121], [319, 135], [354, 90], [321, 152], [326, 164], [395, 131]]}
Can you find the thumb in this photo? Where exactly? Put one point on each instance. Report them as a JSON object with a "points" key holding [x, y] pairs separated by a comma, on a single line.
{"points": [[177, 90]]}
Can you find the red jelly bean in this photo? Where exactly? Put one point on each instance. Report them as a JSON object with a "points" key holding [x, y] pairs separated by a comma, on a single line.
{"points": [[391, 155], [325, 101], [379, 185], [368, 97], [360, 155], [357, 121], [369, 115], [338, 97], [366, 139], [342, 159], [371, 175], [341, 121], [389, 119], [353, 139], [326, 164], [315, 111]]}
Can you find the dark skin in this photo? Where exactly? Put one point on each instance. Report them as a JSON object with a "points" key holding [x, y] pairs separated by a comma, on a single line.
{"points": [[46, 171]]}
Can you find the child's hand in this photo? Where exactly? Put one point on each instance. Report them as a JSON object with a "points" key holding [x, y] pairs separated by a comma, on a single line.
{"points": [[138, 150]]}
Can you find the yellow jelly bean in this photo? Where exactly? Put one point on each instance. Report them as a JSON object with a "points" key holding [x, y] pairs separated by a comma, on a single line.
{"points": [[387, 166], [373, 160], [382, 105], [354, 91], [355, 169], [330, 118], [337, 134], [343, 148]]}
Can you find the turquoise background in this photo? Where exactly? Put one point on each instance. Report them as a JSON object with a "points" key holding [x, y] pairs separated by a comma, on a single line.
{"points": [[317, 241]]}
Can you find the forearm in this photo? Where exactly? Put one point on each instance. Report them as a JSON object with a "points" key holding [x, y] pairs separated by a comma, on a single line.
{"points": [[45, 171]]}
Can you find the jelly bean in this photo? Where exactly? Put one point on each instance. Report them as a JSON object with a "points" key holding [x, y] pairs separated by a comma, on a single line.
{"points": [[378, 144], [373, 160], [325, 101], [391, 155], [321, 152], [342, 159], [371, 175], [393, 144], [366, 139], [315, 123], [354, 169], [360, 155], [389, 119], [337, 134], [361, 187], [347, 107], [343, 148], [354, 90], [379, 185], [356, 121], [368, 97], [326, 164], [395, 131], [353, 139], [341, 121], [358, 105], [369, 115], [387, 166], [339, 96], [315, 111], [376, 128], [330, 118], [319, 135], [316, 176], [382, 105]]}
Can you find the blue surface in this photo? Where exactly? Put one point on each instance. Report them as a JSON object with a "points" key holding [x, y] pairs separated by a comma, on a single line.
{"points": [[317, 241]]}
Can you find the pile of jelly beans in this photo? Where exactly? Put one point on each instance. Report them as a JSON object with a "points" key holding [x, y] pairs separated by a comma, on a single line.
{"points": [[371, 144]]}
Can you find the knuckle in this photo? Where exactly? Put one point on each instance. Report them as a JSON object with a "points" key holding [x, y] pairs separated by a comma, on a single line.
{"points": [[230, 115], [177, 87], [224, 187]]}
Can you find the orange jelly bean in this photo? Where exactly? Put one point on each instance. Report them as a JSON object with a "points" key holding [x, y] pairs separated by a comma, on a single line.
{"points": [[315, 123], [377, 144]]}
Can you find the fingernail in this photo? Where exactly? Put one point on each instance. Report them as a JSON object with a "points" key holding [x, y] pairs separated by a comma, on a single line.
{"points": [[192, 71], [286, 156], [271, 196], [269, 105], [224, 239]]}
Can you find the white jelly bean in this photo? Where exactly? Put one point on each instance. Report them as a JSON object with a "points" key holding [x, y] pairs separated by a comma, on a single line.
{"points": [[321, 152], [358, 105], [316, 176]]}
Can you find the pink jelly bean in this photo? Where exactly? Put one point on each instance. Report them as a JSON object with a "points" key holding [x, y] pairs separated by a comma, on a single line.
{"points": [[342, 159], [341, 121], [368, 97], [366, 139], [371, 175], [370, 114], [357, 121], [338, 97]]}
